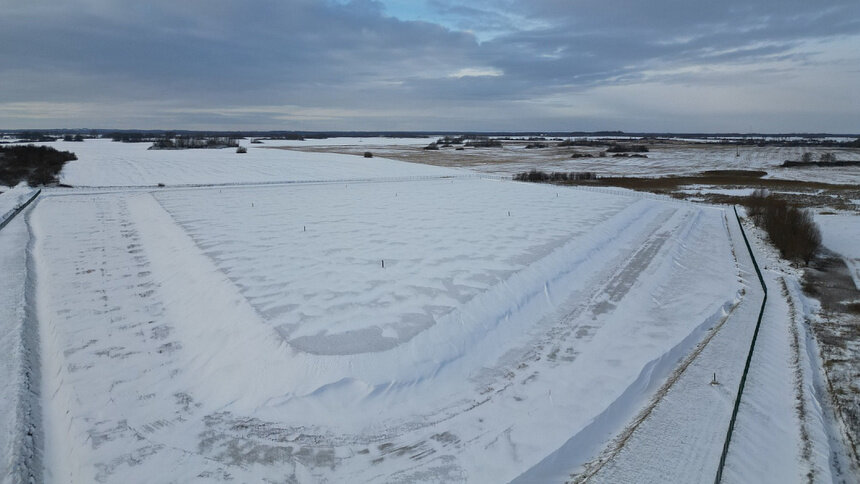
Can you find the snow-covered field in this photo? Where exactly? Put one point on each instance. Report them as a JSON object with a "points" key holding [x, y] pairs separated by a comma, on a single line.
{"points": [[106, 163], [190, 332], [661, 160], [369, 143], [411, 324]]}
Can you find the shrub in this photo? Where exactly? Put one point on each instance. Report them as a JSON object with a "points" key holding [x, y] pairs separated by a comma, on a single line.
{"points": [[622, 148], [484, 143], [368, 154], [532, 176], [538, 176], [449, 140], [791, 230], [241, 149]]}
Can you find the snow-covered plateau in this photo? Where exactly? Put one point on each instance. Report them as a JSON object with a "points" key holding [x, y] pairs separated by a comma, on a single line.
{"points": [[283, 316]]}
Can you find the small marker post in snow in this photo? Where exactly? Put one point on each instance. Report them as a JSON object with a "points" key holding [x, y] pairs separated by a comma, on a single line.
{"points": [[304, 228], [714, 381], [383, 263]]}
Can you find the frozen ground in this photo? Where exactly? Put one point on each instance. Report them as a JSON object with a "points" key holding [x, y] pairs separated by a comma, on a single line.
{"points": [[668, 159], [681, 436], [15, 416], [249, 333], [190, 334], [787, 428], [365, 142]]}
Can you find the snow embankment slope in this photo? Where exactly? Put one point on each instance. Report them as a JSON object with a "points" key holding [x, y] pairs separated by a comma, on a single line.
{"points": [[780, 433], [268, 340], [679, 434], [18, 415], [786, 429]]}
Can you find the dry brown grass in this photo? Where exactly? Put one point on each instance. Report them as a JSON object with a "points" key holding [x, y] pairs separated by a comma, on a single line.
{"points": [[838, 336], [727, 178], [802, 193]]}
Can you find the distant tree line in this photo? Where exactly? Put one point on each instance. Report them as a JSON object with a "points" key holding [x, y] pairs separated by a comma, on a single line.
{"points": [[193, 142], [135, 137], [583, 142], [37, 165], [824, 160], [823, 143], [451, 140], [35, 137], [483, 142]]}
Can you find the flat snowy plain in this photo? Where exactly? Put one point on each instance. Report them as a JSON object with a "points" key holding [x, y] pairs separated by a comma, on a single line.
{"points": [[661, 160], [323, 317]]}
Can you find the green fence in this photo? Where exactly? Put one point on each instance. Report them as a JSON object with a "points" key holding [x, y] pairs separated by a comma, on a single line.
{"points": [[749, 356], [19, 209]]}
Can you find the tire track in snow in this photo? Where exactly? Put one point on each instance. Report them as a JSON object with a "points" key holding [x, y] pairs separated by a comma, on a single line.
{"points": [[108, 350], [26, 439]]}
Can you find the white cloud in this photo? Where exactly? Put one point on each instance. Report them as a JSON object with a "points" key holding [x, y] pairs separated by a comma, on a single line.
{"points": [[476, 72]]}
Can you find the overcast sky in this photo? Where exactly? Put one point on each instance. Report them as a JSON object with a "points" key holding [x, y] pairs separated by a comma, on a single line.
{"points": [[633, 65]]}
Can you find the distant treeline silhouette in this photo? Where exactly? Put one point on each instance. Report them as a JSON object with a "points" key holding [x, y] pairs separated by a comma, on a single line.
{"points": [[192, 142]]}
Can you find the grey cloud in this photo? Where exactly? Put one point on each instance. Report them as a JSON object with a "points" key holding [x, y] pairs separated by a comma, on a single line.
{"points": [[218, 53]]}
